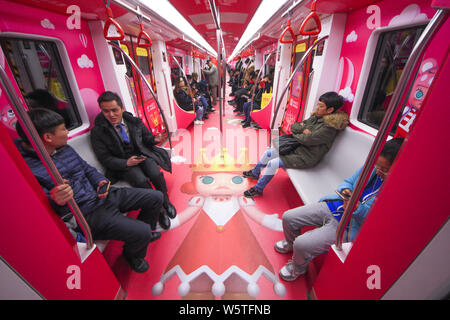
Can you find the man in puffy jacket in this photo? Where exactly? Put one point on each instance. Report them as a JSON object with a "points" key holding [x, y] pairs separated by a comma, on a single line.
{"points": [[315, 137], [103, 211]]}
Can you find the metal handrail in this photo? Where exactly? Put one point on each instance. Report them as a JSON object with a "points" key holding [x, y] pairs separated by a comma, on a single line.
{"points": [[286, 86], [389, 119], [148, 85], [219, 78], [36, 142], [184, 74], [257, 78]]}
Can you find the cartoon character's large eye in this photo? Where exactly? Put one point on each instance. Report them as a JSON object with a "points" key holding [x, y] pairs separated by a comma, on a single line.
{"points": [[207, 180], [10, 113], [237, 180], [419, 94]]}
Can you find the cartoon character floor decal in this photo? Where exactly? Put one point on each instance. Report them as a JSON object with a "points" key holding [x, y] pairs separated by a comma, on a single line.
{"points": [[220, 256]]}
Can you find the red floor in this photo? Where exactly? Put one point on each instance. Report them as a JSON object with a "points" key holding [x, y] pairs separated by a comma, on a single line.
{"points": [[188, 248]]}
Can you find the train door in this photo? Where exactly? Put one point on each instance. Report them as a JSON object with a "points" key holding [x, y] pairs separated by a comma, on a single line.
{"points": [[299, 87], [144, 103]]}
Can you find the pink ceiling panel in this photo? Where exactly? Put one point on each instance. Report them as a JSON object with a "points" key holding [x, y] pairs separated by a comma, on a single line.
{"points": [[234, 18]]}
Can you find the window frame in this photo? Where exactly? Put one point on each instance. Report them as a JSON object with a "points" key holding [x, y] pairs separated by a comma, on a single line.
{"points": [[369, 55], [67, 69]]}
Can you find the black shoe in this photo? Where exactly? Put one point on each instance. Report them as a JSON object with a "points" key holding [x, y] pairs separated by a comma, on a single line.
{"points": [[252, 192], [138, 265], [249, 174], [254, 125], [246, 125], [155, 236], [164, 220], [243, 121], [171, 211]]}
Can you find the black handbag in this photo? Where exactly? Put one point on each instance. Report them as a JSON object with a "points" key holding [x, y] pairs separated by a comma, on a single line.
{"points": [[286, 144]]}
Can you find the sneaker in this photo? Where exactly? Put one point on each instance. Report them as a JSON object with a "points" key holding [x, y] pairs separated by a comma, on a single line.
{"points": [[291, 271], [249, 174], [283, 246], [212, 109], [252, 192], [246, 125]]}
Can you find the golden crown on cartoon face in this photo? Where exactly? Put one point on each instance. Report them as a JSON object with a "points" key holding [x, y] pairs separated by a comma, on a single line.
{"points": [[222, 162]]}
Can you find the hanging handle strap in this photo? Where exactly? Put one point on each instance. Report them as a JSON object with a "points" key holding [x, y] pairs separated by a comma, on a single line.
{"points": [[312, 16], [110, 21], [143, 38], [286, 30]]}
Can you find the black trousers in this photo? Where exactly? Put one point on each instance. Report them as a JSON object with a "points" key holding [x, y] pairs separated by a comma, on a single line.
{"points": [[108, 222], [139, 175]]}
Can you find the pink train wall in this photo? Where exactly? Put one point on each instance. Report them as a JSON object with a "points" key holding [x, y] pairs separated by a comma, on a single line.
{"points": [[78, 42], [359, 26]]}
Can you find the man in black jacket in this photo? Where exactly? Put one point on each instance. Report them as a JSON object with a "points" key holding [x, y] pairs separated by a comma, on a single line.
{"points": [[129, 151]]}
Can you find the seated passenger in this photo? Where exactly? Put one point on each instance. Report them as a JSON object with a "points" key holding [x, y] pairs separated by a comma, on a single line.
{"points": [[103, 212], [326, 214], [201, 101], [186, 102], [260, 89], [243, 95], [315, 137], [129, 151]]}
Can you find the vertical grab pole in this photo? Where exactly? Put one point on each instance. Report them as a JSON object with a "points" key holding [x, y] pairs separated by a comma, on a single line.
{"points": [[224, 67], [219, 84]]}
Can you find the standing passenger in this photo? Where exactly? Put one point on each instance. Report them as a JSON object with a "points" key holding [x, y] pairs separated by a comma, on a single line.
{"points": [[213, 79]]}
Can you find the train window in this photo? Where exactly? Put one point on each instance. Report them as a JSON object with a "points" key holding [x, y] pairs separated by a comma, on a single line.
{"points": [[392, 51], [40, 76], [144, 64]]}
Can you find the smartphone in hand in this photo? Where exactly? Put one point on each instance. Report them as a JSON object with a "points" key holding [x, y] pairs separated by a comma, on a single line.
{"points": [[343, 196], [104, 188]]}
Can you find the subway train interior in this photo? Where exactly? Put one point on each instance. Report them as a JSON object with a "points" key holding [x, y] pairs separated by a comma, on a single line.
{"points": [[215, 87]]}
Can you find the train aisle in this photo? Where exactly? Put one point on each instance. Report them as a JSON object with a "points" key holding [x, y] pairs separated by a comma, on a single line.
{"points": [[217, 246]]}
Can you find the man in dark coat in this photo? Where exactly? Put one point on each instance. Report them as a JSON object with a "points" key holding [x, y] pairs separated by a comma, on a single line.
{"points": [[102, 209], [129, 151]]}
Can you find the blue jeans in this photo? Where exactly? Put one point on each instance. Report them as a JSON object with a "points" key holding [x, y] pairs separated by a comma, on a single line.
{"points": [[203, 101], [247, 109], [199, 113], [271, 161]]}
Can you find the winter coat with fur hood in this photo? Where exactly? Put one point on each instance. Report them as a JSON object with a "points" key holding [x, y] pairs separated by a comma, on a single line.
{"points": [[314, 146]]}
